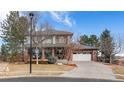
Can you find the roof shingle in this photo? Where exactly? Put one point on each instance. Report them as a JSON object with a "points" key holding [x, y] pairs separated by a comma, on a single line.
{"points": [[51, 32]]}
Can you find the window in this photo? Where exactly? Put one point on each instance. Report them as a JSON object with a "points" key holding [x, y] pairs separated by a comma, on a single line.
{"points": [[48, 52], [60, 39], [47, 40]]}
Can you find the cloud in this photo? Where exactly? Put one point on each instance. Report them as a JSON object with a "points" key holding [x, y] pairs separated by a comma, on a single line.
{"points": [[62, 17], [3, 15]]}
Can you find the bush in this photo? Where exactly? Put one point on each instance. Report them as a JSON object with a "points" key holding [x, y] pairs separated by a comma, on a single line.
{"points": [[51, 60], [116, 61]]}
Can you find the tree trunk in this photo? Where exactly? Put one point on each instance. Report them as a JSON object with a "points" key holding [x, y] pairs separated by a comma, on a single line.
{"points": [[23, 51], [110, 59]]}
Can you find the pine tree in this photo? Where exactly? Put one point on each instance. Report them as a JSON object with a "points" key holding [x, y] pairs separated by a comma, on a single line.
{"points": [[107, 45], [4, 52], [92, 40], [13, 32]]}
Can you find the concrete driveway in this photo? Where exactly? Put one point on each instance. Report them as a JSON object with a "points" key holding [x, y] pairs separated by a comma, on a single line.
{"points": [[90, 70]]}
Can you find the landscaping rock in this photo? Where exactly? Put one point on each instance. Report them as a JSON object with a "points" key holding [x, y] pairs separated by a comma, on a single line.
{"points": [[59, 64], [62, 61]]}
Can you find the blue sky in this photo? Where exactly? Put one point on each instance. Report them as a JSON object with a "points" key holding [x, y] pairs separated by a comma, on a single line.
{"points": [[83, 22]]}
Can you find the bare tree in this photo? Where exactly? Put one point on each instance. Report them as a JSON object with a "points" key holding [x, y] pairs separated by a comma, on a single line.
{"points": [[118, 44], [110, 45], [35, 36], [39, 39]]}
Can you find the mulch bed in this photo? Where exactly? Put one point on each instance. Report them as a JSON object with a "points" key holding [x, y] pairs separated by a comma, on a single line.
{"points": [[72, 65]]}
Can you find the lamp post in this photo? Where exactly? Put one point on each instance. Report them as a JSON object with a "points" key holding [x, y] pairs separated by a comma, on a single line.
{"points": [[31, 28]]}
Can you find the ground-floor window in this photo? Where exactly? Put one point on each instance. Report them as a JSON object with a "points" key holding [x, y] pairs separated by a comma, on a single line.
{"points": [[48, 52], [60, 53]]}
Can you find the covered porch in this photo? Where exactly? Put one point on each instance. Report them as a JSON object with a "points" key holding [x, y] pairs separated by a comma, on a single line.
{"points": [[44, 52]]}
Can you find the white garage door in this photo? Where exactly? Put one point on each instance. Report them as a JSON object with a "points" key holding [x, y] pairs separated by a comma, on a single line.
{"points": [[81, 57]]}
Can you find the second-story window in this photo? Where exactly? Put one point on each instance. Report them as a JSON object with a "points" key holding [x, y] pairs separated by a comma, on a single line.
{"points": [[60, 39], [48, 40]]}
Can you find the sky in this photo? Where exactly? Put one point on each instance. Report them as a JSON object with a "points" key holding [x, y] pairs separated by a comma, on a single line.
{"points": [[81, 22], [85, 22]]}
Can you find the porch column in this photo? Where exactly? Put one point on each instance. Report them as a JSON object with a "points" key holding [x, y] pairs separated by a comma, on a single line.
{"points": [[43, 54], [53, 52]]}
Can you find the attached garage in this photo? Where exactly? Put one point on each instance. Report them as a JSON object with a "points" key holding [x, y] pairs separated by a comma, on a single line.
{"points": [[81, 57], [84, 53]]}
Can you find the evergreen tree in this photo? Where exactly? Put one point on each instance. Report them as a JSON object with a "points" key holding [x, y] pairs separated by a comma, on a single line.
{"points": [[4, 52], [92, 40], [107, 45], [13, 32]]}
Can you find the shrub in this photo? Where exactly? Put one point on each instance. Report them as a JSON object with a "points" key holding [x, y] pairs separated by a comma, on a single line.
{"points": [[116, 61], [51, 60]]}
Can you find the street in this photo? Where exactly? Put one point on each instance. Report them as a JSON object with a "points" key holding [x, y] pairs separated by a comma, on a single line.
{"points": [[54, 79]]}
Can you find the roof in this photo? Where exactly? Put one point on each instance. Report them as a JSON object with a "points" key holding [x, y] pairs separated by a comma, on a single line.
{"points": [[49, 45], [79, 46], [51, 32]]}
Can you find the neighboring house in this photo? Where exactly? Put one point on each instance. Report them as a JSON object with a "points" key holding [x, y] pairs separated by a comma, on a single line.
{"points": [[58, 43]]}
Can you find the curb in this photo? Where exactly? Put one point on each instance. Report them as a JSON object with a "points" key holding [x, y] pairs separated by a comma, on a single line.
{"points": [[21, 76], [9, 77]]}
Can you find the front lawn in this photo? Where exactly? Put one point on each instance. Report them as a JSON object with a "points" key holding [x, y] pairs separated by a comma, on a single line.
{"points": [[118, 71], [40, 69]]}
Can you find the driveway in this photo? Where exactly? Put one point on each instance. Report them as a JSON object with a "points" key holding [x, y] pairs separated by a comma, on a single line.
{"points": [[90, 70]]}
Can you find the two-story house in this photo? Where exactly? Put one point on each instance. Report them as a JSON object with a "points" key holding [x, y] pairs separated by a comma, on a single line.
{"points": [[50, 43], [58, 43]]}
